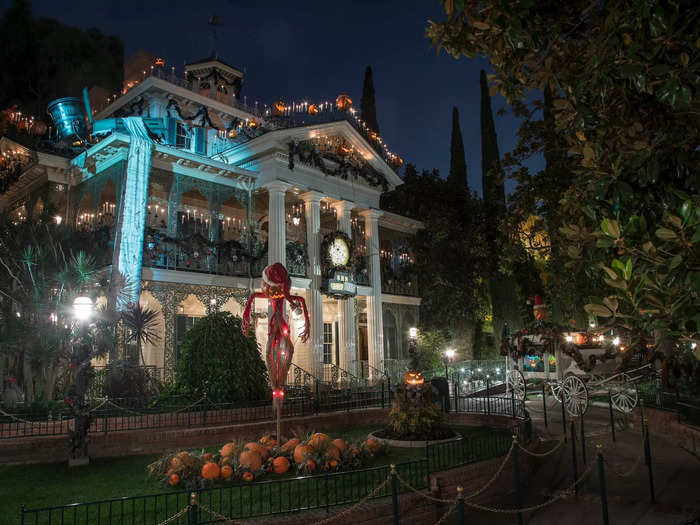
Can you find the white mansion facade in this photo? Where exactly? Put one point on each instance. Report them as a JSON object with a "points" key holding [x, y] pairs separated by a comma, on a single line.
{"points": [[232, 187]]}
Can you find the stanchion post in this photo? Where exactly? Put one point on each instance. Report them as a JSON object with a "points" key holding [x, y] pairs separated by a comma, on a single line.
{"points": [[488, 398], [460, 505], [563, 413], [573, 453], [395, 494], [204, 410], [512, 402], [516, 478], [603, 487], [647, 458], [583, 440], [544, 402], [192, 514], [612, 416], [456, 393]]}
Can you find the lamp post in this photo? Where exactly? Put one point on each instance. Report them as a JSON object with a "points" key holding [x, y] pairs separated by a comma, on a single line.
{"points": [[82, 356], [449, 356]]}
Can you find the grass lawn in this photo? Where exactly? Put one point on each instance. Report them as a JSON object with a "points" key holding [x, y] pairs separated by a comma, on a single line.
{"points": [[48, 485]]}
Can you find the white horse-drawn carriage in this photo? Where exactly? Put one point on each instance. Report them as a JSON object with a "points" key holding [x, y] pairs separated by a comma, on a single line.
{"points": [[575, 366]]}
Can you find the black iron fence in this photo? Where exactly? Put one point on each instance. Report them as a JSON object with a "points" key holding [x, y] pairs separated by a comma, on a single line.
{"points": [[269, 498]]}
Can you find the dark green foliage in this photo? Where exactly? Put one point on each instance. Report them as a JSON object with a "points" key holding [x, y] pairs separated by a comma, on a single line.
{"points": [[491, 175], [368, 109], [217, 359], [457, 177], [43, 59], [414, 416]]}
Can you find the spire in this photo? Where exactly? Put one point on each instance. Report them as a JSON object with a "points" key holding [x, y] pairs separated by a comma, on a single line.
{"points": [[368, 110], [458, 164]]}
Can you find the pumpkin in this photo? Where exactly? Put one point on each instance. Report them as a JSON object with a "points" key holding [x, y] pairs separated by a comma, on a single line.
{"points": [[250, 459], [301, 452], [290, 445], [333, 452], [225, 460], [354, 451], [278, 107], [169, 472], [373, 445], [280, 465], [176, 462], [185, 457], [210, 470], [313, 109], [318, 438], [173, 480], [339, 444], [207, 457], [343, 102], [228, 450], [580, 339], [226, 471], [413, 378], [333, 463], [256, 447], [540, 312], [268, 440], [248, 476], [310, 465], [253, 123], [397, 161], [160, 62]]}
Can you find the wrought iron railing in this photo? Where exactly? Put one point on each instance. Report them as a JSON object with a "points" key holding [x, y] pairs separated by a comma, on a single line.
{"points": [[298, 377], [362, 270], [402, 286], [368, 373], [334, 375]]}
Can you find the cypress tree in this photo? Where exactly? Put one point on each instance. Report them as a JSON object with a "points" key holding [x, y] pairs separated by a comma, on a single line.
{"points": [[457, 178], [368, 109], [491, 178]]}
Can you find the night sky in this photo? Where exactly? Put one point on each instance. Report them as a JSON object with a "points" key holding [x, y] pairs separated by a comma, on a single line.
{"points": [[313, 50]]}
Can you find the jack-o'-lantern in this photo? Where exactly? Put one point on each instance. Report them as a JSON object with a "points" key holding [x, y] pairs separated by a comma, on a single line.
{"points": [[273, 291], [580, 339], [373, 135], [232, 134], [343, 102], [253, 123], [397, 161], [343, 150], [539, 309], [160, 62], [413, 378], [313, 109], [278, 107]]}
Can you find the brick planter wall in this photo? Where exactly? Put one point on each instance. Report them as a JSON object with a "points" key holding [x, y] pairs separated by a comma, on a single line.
{"points": [[666, 423]]}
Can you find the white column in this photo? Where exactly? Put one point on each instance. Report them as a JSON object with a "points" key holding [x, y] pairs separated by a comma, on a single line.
{"points": [[277, 226], [346, 307], [375, 325], [312, 209]]}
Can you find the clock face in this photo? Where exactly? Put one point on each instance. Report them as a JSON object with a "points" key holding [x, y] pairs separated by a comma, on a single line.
{"points": [[339, 252]]}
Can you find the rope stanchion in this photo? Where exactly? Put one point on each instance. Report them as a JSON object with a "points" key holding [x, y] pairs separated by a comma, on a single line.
{"points": [[175, 516], [449, 511], [356, 505], [6, 414], [543, 454]]}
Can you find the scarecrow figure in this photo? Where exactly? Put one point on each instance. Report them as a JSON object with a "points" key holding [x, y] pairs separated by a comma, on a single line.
{"points": [[276, 287]]}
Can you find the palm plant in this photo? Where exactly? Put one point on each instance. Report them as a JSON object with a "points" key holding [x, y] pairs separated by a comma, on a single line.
{"points": [[142, 326]]}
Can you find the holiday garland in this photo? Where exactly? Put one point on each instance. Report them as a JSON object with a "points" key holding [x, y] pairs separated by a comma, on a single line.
{"points": [[308, 154]]}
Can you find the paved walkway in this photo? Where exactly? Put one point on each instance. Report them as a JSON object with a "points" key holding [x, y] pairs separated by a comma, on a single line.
{"points": [[676, 478]]}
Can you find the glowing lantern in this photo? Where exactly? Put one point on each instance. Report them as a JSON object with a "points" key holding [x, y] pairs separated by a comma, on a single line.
{"points": [[373, 135], [232, 134], [253, 123], [160, 62], [413, 378], [343, 150], [278, 107], [343, 102], [313, 109], [397, 161]]}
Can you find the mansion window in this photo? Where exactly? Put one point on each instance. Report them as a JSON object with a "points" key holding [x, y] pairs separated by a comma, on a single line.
{"points": [[182, 136], [327, 343]]}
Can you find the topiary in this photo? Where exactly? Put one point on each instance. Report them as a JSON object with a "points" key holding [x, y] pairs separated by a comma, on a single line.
{"points": [[208, 346]]}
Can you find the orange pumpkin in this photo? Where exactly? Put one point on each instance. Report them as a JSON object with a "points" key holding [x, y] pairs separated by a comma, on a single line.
{"points": [[176, 462], [207, 457], [228, 450], [301, 452], [333, 463], [310, 465], [173, 480], [580, 339], [354, 451], [278, 107], [256, 447], [225, 460], [333, 452], [540, 312], [268, 440], [253, 123], [313, 109], [413, 378], [318, 438], [185, 457], [280, 465], [211, 470], [226, 471], [343, 102], [397, 161], [373, 445], [250, 459], [248, 476], [290, 445], [339, 444]]}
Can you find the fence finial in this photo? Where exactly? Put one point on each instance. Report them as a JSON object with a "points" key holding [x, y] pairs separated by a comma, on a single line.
{"points": [[460, 492], [193, 498], [393, 469]]}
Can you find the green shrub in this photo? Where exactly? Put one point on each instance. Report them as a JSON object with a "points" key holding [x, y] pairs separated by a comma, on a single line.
{"points": [[216, 358]]}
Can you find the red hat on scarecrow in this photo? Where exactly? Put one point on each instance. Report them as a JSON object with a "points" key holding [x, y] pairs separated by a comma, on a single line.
{"points": [[539, 308], [275, 275]]}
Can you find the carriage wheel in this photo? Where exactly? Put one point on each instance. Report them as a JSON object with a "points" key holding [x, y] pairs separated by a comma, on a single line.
{"points": [[516, 382], [575, 395], [555, 387], [624, 395]]}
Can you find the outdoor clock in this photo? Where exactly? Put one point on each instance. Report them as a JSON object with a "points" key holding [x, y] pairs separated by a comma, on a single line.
{"points": [[339, 252]]}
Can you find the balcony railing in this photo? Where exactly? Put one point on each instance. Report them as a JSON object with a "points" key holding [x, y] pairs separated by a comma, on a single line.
{"points": [[403, 286]]}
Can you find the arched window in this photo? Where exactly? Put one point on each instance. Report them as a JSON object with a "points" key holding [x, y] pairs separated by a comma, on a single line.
{"points": [[391, 350]]}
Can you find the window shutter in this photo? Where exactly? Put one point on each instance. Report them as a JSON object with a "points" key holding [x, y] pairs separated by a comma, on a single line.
{"points": [[170, 130], [200, 141]]}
